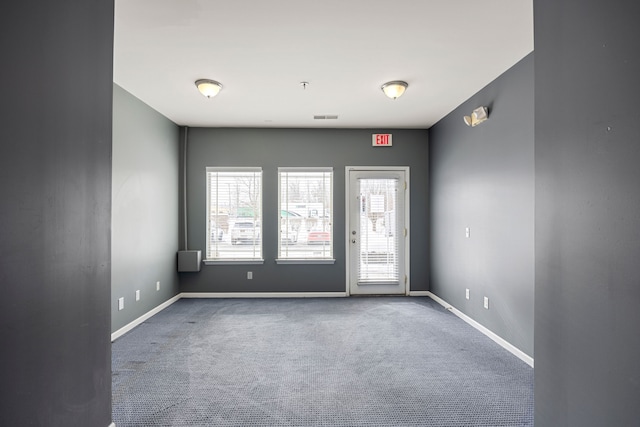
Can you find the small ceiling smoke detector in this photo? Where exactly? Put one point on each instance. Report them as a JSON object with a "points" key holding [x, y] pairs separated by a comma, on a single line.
{"points": [[208, 88]]}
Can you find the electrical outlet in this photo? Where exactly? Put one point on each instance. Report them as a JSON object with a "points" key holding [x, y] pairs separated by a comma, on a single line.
{"points": [[466, 295], [158, 285], [137, 295], [120, 303], [486, 303], [249, 275]]}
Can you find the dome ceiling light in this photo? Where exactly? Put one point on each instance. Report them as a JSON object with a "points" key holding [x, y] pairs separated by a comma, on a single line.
{"points": [[208, 88], [394, 89]]}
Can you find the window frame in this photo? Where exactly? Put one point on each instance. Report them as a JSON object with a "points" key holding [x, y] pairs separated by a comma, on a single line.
{"points": [[230, 261], [301, 260]]}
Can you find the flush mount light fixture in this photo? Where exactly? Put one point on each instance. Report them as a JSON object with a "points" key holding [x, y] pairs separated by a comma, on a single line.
{"points": [[394, 89], [478, 116], [208, 88]]}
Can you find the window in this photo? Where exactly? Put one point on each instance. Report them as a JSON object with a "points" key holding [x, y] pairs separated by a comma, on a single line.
{"points": [[234, 214], [306, 215]]}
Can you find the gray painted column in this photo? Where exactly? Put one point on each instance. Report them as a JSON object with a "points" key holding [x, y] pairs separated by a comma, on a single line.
{"points": [[587, 343], [55, 186]]}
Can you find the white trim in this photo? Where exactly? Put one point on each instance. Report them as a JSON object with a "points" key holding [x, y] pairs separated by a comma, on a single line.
{"points": [[120, 332], [305, 261], [325, 171], [262, 294], [407, 223], [190, 295], [347, 218], [499, 340], [232, 261], [419, 293], [187, 295], [235, 171], [241, 169], [305, 169], [407, 227], [376, 168]]}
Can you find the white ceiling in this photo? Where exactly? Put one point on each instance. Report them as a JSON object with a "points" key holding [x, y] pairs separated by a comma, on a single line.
{"points": [[261, 50]]}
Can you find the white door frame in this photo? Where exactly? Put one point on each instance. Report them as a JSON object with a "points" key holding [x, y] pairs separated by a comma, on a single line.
{"points": [[407, 240]]}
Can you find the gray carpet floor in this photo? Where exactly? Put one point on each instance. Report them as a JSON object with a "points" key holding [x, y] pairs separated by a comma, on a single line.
{"points": [[379, 361]]}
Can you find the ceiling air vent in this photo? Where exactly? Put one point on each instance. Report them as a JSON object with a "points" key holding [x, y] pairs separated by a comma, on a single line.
{"points": [[326, 117]]}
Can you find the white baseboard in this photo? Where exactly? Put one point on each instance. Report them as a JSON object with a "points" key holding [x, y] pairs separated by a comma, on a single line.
{"points": [[263, 294], [419, 293], [120, 332], [501, 341]]}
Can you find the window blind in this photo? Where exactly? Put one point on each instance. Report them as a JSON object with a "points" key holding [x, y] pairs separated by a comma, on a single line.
{"points": [[379, 239], [306, 213], [234, 213]]}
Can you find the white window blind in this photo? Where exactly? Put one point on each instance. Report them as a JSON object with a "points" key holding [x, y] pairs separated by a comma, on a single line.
{"points": [[306, 213], [234, 214], [379, 234]]}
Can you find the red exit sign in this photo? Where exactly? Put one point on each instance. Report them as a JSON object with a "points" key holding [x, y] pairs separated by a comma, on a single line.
{"points": [[381, 140]]}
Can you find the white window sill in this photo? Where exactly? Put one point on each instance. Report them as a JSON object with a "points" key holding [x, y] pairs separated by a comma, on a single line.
{"points": [[305, 261], [232, 261]]}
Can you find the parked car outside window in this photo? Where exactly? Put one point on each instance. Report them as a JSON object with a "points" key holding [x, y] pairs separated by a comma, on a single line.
{"points": [[318, 238], [245, 231]]}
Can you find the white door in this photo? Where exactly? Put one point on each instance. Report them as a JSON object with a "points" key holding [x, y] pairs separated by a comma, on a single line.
{"points": [[377, 241]]}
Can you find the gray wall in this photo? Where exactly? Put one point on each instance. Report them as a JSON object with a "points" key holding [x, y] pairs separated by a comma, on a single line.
{"points": [[55, 186], [271, 148], [144, 224], [483, 178], [587, 316]]}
